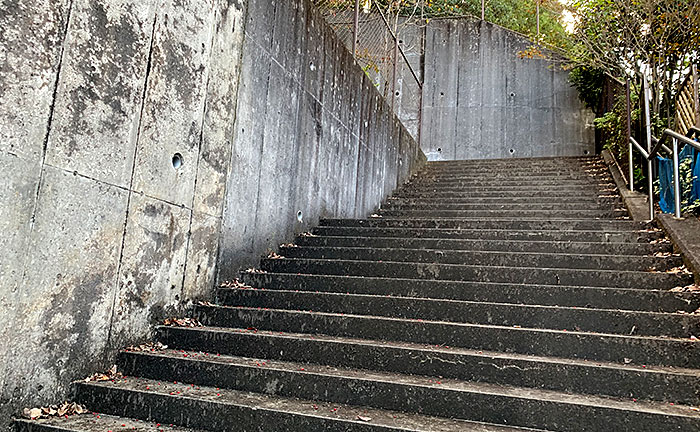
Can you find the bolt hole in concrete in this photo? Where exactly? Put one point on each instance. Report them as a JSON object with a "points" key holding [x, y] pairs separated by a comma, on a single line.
{"points": [[177, 160], [511, 151], [586, 152], [300, 216], [512, 94], [439, 149], [397, 93]]}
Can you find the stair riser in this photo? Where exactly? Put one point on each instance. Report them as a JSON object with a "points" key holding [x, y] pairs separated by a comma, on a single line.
{"points": [[494, 190], [484, 258], [585, 207], [558, 376], [487, 245], [534, 214], [586, 320], [490, 224], [428, 400], [568, 196], [508, 173], [208, 415], [592, 201], [546, 295], [491, 234], [522, 341], [430, 271], [499, 183]]}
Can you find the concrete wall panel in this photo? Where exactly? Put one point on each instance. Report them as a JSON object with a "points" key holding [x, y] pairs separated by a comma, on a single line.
{"points": [[174, 104], [64, 307], [152, 268], [215, 152], [17, 201], [311, 136], [31, 36], [491, 103], [98, 101]]}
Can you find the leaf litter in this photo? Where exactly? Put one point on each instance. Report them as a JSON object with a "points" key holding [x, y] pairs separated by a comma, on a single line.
{"points": [[62, 410]]}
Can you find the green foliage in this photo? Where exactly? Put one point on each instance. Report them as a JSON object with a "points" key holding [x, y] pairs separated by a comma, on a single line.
{"points": [[688, 205], [614, 125], [589, 83]]}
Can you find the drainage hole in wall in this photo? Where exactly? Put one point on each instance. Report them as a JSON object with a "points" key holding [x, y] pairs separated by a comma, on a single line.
{"points": [[442, 94], [177, 160], [300, 216], [586, 152], [397, 93], [439, 149], [511, 151], [512, 94]]}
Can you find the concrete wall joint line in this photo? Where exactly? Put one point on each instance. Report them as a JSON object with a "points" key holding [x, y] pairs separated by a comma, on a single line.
{"points": [[131, 180]]}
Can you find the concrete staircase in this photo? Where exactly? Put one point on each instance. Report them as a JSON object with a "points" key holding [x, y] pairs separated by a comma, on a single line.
{"points": [[485, 296]]}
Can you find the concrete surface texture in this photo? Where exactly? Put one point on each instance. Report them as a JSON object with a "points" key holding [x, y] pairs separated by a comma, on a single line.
{"points": [[343, 149], [482, 101], [375, 48], [117, 146]]}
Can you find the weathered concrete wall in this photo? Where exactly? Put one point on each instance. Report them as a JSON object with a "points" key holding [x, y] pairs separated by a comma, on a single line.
{"points": [[481, 100], [99, 234], [313, 136], [376, 46]]}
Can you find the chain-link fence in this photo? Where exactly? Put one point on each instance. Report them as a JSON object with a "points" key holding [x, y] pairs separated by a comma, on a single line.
{"points": [[374, 33], [383, 34]]}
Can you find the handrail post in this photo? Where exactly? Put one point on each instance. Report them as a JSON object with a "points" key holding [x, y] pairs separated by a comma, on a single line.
{"points": [[650, 167], [356, 28], [696, 96], [676, 180], [630, 157]]}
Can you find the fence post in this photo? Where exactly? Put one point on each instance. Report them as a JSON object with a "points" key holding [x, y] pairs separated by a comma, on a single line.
{"points": [[696, 97], [396, 71], [650, 167], [356, 28], [630, 156], [483, 10]]}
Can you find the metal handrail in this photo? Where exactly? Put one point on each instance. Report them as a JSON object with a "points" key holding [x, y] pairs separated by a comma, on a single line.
{"points": [[659, 145]]}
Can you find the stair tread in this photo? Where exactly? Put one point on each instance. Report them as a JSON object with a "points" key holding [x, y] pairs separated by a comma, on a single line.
{"points": [[441, 383], [431, 349], [462, 325], [97, 422], [341, 413]]}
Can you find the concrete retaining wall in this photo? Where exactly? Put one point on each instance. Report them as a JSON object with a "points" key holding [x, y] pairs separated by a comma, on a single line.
{"points": [[482, 101], [100, 234], [313, 137]]}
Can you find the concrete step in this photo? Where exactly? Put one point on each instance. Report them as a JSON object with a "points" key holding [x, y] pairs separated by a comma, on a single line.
{"points": [[532, 214], [448, 244], [427, 200], [531, 316], [641, 350], [589, 236], [455, 272], [676, 385], [523, 190], [438, 397], [541, 182], [515, 293], [486, 258], [516, 163], [94, 422], [221, 409], [508, 174], [551, 208], [504, 194], [512, 223]]}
